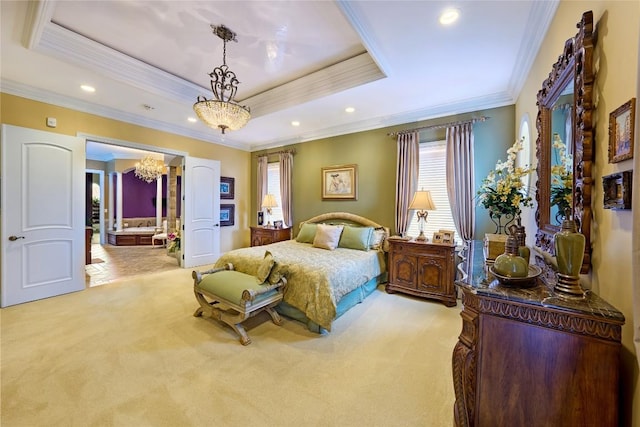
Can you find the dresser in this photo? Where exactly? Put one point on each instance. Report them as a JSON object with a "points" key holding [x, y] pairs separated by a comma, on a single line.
{"points": [[265, 235], [532, 357], [422, 269]]}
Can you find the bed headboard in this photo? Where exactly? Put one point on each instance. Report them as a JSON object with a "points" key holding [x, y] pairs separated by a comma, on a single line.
{"points": [[346, 218]]}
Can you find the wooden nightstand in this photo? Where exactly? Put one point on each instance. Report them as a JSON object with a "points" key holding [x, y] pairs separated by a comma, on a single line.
{"points": [[422, 269], [263, 235]]}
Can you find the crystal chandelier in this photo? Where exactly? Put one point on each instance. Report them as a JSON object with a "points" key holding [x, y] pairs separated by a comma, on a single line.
{"points": [[149, 169], [222, 112]]}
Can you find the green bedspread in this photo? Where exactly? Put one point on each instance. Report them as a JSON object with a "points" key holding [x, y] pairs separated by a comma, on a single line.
{"points": [[317, 278]]}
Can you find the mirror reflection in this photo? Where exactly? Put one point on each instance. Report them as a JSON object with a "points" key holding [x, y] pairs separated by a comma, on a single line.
{"points": [[561, 157]]}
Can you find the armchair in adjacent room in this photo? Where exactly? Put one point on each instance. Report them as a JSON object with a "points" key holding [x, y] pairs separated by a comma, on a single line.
{"points": [[162, 235]]}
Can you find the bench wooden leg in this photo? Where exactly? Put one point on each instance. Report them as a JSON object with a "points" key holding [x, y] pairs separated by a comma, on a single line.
{"points": [[275, 317]]}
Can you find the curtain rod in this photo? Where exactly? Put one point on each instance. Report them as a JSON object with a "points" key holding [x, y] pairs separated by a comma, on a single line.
{"points": [[440, 126], [292, 151]]}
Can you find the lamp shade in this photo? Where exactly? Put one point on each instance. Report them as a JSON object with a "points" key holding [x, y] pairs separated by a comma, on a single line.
{"points": [[422, 201], [269, 201]]}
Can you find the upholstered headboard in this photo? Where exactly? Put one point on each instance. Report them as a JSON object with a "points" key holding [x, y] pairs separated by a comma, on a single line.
{"points": [[345, 218]]}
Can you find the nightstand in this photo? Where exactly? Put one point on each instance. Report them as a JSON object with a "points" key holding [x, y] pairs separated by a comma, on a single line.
{"points": [[265, 235], [424, 270]]}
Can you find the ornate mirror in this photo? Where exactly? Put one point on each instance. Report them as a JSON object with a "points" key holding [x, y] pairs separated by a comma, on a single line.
{"points": [[565, 142]]}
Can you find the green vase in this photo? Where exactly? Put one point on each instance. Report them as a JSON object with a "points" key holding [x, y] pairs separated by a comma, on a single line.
{"points": [[510, 263], [569, 245]]}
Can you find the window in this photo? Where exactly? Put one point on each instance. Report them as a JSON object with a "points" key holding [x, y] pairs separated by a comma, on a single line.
{"points": [[433, 177], [273, 187]]}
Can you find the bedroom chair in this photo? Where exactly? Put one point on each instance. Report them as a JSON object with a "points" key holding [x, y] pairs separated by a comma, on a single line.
{"points": [[162, 236], [232, 297]]}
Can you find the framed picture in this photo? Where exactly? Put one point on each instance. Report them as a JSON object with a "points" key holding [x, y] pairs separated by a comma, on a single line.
{"points": [[437, 237], [621, 128], [447, 236], [617, 190], [260, 218], [227, 187], [277, 224], [227, 215], [340, 182]]}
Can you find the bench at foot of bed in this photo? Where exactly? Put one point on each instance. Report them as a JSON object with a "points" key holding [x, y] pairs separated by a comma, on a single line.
{"points": [[232, 297]]}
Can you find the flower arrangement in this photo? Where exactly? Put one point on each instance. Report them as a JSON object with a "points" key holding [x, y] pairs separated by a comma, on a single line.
{"points": [[174, 242], [561, 177], [503, 192]]}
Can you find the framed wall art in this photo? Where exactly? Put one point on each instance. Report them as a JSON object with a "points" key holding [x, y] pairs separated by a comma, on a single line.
{"points": [[340, 182], [227, 215], [227, 187], [621, 129], [617, 190]]}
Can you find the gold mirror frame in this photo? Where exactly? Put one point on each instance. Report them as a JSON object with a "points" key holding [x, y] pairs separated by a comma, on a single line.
{"points": [[576, 62]]}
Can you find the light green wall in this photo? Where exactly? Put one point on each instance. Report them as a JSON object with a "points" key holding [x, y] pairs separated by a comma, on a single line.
{"points": [[375, 154]]}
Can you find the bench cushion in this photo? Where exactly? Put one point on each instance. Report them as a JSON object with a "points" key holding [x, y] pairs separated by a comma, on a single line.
{"points": [[229, 284]]}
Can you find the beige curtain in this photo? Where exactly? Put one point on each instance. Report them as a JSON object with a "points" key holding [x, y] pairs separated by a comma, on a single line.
{"points": [[408, 167], [460, 184], [262, 179], [286, 171]]}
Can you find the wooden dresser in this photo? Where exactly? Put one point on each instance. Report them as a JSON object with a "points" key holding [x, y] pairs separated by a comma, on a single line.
{"points": [[422, 269], [265, 235], [532, 357]]}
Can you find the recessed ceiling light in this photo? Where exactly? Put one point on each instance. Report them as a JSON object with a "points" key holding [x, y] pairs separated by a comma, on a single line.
{"points": [[349, 109], [88, 88], [192, 119], [295, 123], [449, 16]]}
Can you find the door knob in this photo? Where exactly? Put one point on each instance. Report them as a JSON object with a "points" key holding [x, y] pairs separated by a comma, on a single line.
{"points": [[14, 238]]}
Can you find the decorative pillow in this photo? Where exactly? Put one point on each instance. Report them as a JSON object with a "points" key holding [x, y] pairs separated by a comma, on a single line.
{"points": [[327, 236], [377, 238], [277, 272], [356, 238], [307, 233], [265, 267]]}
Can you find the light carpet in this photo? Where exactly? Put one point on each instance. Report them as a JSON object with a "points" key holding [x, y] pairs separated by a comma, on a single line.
{"points": [[130, 353]]}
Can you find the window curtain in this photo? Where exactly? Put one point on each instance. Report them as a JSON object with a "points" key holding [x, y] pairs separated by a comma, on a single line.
{"points": [[460, 184], [408, 165], [286, 171], [262, 179]]}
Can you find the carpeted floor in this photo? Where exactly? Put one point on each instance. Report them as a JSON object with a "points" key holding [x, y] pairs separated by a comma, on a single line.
{"points": [[130, 353]]}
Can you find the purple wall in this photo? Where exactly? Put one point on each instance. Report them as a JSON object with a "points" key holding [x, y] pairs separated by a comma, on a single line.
{"points": [[138, 197]]}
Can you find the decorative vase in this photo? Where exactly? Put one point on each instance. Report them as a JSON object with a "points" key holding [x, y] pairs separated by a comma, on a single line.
{"points": [[511, 264], [569, 245], [501, 221]]}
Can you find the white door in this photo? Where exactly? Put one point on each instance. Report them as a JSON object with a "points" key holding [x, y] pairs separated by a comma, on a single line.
{"points": [[201, 211], [43, 223]]}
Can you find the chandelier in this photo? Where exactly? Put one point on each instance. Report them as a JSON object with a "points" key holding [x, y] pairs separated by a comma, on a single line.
{"points": [[149, 169], [222, 112]]}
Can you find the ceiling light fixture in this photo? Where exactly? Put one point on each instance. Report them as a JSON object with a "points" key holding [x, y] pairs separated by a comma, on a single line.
{"points": [[149, 169], [87, 88], [222, 112], [449, 16], [349, 109], [295, 123]]}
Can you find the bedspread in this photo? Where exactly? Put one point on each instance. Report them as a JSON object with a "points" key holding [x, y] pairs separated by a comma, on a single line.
{"points": [[317, 278]]}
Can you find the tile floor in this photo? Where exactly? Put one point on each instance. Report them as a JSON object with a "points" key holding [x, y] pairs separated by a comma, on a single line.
{"points": [[111, 263]]}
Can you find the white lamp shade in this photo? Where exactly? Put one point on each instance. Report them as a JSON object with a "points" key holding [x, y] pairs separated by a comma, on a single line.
{"points": [[269, 201], [422, 201]]}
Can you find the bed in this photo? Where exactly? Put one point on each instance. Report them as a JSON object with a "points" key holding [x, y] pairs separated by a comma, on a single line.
{"points": [[322, 284]]}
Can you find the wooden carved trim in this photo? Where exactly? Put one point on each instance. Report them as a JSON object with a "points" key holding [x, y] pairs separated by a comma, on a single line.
{"points": [[464, 385], [552, 319]]}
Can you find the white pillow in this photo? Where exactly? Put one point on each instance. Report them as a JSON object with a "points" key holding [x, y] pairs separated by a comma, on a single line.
{"points": [[327, 236]]}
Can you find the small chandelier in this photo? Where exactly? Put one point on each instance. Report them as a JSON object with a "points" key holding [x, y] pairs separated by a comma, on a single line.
{"points": [[222, 112], [149, 169]]}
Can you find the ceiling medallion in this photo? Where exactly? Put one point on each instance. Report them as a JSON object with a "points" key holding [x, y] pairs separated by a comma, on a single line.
{"points": [[221, 111], [149, 169]]}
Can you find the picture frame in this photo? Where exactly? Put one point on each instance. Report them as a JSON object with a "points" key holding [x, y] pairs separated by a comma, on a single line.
{"points": [[227, 214], [437, 237], [340, 182], [260, 218], [617, 190], [227, 187], [277, 224], [447, 236], [621, 132]]}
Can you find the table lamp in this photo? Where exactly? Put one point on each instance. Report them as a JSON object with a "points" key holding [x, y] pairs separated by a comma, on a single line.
{"points": [[422, 202], [269, 202]]}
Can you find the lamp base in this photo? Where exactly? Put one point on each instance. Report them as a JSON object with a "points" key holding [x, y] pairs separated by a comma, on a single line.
{"points": [[421, 237]]}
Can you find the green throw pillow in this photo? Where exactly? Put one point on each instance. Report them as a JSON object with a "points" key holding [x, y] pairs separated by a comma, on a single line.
{"points": [[277, 272], [356, 238], [307, 233], [265, 267]]}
